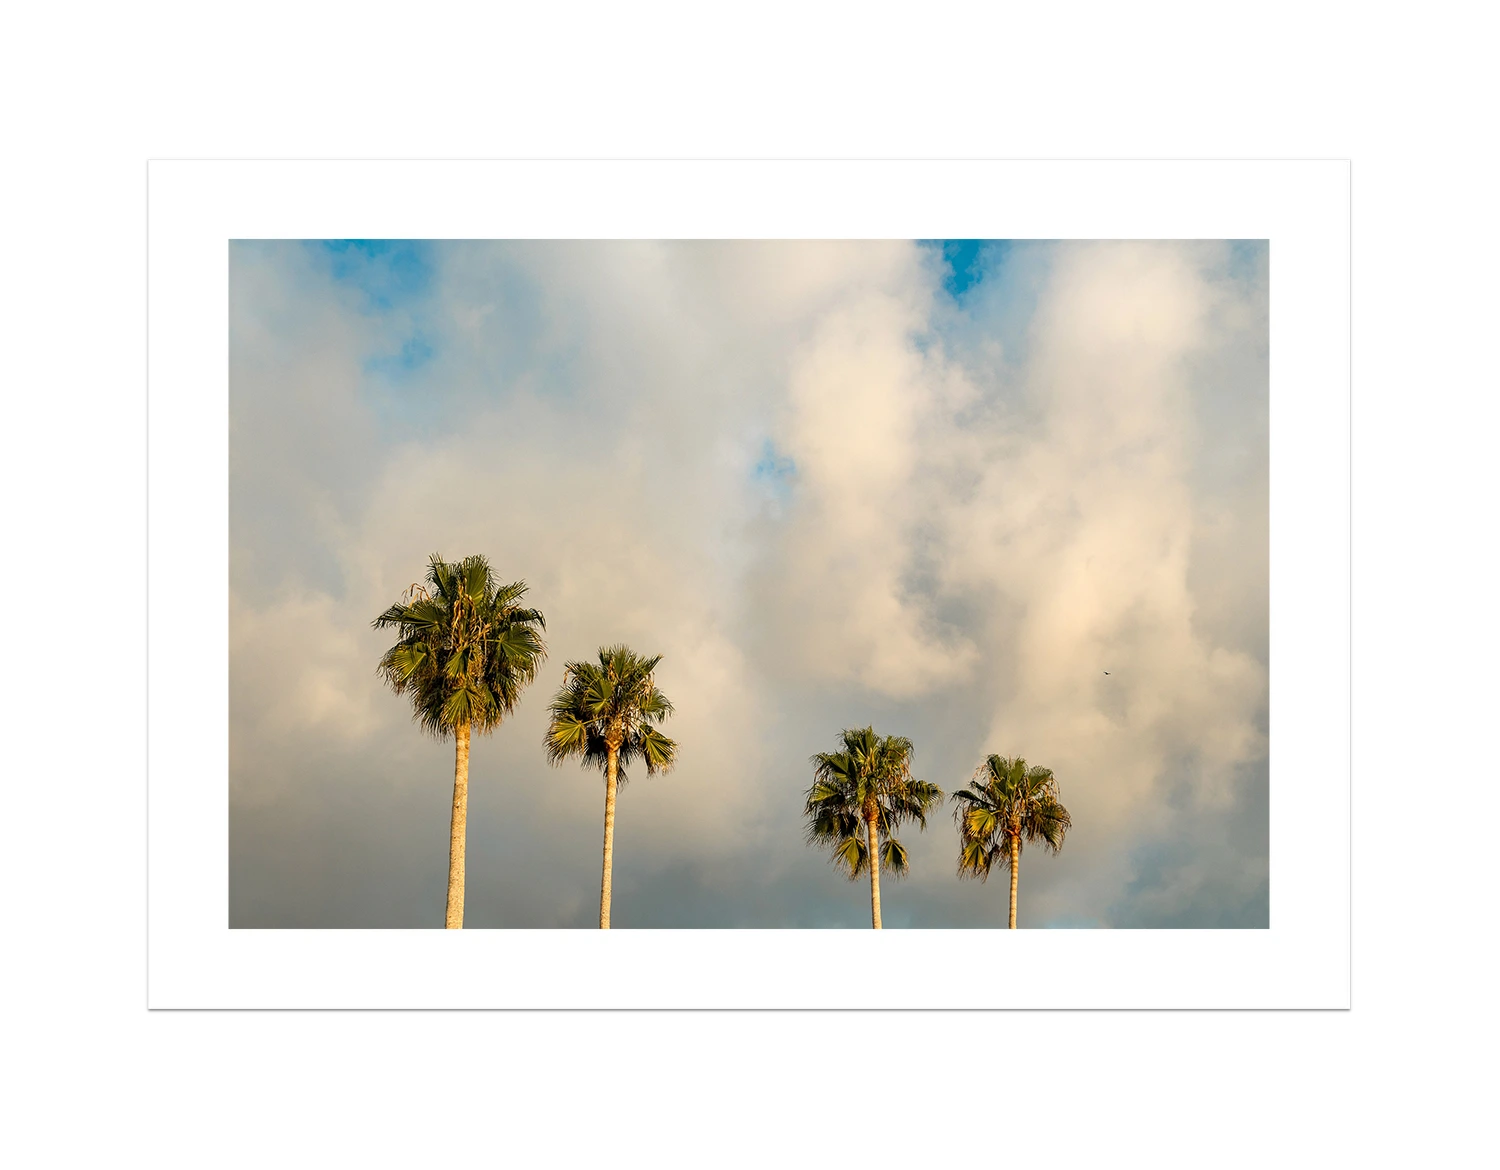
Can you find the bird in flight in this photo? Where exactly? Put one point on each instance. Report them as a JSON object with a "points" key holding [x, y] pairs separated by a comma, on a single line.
{"points": [[1106, 672]]}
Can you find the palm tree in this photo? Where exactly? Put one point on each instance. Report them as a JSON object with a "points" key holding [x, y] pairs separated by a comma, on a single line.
{"points": [[605, 715], [465, 650], [1007, 803], [859, 797]]}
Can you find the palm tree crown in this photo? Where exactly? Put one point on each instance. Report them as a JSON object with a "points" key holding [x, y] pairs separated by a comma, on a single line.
{"points": [[867, 783], [613, 703], [466, 647], [1006, 804]]}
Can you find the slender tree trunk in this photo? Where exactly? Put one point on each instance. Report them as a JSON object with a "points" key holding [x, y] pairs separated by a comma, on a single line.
{"points": [[458, 829], [1015, 873], [874, 872], [609, 837]]}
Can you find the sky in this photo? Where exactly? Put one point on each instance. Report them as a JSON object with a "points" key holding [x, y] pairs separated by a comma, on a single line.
{"points": [[938, 487]]}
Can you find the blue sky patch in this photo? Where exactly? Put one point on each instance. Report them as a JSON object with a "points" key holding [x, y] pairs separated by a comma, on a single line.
{"points": [[774, 471], [389, 273], [962, 257], [416, 351], [1246, 258], [968, 261]]}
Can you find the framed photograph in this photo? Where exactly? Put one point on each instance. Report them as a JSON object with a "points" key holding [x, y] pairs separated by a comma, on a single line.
{"points": [[761, 554]]}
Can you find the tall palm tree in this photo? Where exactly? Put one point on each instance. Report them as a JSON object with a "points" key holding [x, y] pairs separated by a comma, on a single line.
{"points": [[606, 715], [860, 795], [465, 650], [1005, 804]]}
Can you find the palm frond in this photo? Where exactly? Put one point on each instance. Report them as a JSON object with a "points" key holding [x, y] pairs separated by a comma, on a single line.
{"points": [[659, 752], [975, 858], [394, 616], [1048, 823], [403, 662], [441, 576], [655, 706], [508, 596], [852, 855], [461, 707], [567, 735], [476, 579], [893, 857], [981, 822]]}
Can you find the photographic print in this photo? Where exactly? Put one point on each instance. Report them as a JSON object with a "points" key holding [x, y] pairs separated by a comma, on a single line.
{"points": [[748, 583]]}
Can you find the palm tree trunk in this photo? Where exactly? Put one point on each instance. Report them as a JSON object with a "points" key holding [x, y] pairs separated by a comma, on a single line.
{"points": [[609, 837], [1015, 873], [874, 873], [458, 829]]}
